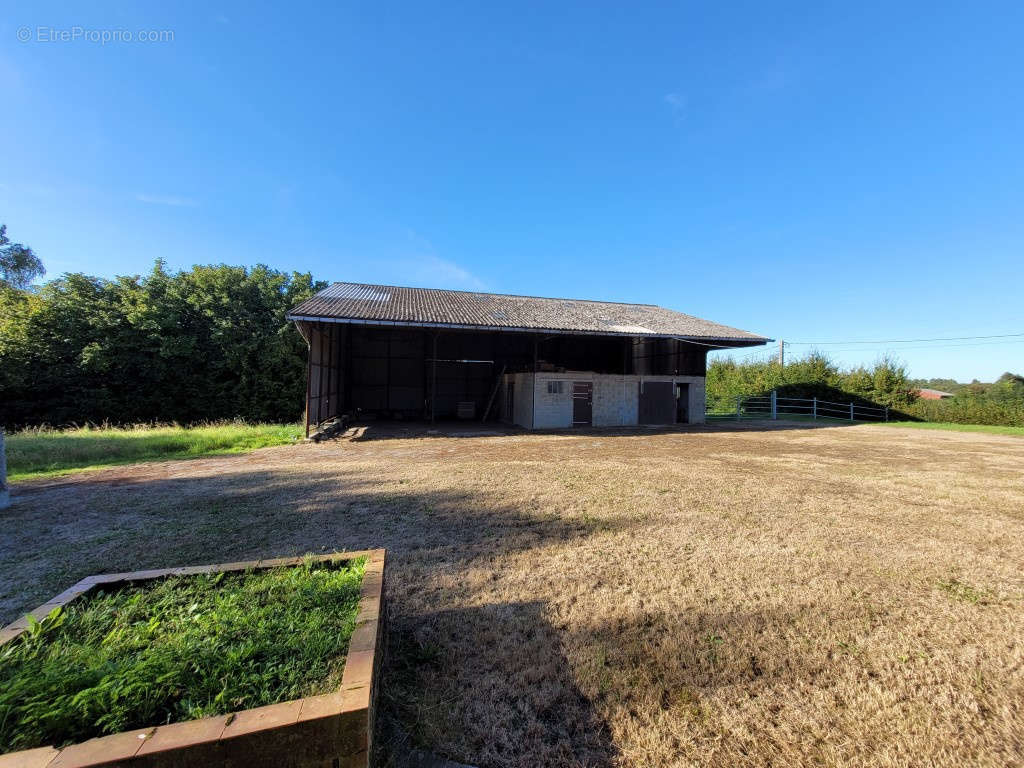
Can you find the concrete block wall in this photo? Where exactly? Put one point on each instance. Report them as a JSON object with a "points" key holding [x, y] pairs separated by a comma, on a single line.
{"points": [[553, 411], [698, 397], [522, 398], [615, 400]]}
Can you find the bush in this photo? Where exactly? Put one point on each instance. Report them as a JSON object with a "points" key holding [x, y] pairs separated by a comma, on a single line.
{"points": [[815, 375], [206, 344], [970, 409], [885, 384]]}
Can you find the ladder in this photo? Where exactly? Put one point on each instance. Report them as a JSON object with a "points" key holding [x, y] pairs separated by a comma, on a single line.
{"points": [[494, 393]]}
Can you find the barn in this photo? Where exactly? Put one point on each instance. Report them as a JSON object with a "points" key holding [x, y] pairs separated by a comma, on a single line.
{"points": [[387, 352], [934, 394]]}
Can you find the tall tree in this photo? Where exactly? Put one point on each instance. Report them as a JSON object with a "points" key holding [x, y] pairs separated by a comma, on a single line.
{"points": [[19, 266], [208, 343]]}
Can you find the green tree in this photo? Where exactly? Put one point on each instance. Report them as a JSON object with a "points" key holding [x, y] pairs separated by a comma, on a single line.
{"points": [[884, 384], [19, 266], [207, 343]]}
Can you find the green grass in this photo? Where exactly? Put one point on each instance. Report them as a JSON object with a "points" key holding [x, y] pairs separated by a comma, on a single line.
{"points": [[44, 452], [995, 430], [784, 416], [177, 649], [962, 591]]}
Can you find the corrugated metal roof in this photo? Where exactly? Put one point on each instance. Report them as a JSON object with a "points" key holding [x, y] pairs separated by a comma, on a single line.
{"points": [[362, 303]]}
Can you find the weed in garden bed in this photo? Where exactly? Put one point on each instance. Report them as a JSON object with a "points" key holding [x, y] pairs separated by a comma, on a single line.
{"points": [[177, 649]]}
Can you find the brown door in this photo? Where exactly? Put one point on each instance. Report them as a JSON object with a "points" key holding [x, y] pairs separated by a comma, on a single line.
{"points": [[582, 403], [657, 403]]}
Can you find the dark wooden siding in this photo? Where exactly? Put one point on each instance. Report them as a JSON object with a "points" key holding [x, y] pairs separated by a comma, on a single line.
{"points": [[324, 379], [669, 357]]}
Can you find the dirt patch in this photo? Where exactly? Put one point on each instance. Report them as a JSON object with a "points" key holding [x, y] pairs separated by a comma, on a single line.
{"points": [[751, 596]]}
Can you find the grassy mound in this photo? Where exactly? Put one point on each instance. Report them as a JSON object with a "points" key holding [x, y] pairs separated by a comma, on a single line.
{"points": [[177, 649]]}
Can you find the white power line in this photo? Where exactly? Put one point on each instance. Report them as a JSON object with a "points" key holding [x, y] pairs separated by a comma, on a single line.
{"points": [[904, 341]]}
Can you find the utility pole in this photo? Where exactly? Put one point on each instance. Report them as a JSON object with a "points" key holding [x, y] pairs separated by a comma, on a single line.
{"points": [[782, 353]]}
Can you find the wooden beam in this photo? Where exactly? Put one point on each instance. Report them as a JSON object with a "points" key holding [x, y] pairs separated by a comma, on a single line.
{"points": [[309, 376], [320, 391], [433, 379], [330, 367], [533, 405]]}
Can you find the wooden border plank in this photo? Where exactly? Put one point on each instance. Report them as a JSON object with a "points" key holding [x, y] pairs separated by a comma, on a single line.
{"points": [[310, 731]]}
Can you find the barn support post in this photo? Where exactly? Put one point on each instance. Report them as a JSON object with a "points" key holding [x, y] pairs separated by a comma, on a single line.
{"points": [[320, 391], [387, 372], [309, 377], [336, 369], [433, 378], [775, 410], [346, 366], [330, 368], [533, 407]]}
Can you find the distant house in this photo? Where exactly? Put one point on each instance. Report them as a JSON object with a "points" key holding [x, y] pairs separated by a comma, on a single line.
{"points": [[414, 353], [933, 394]]}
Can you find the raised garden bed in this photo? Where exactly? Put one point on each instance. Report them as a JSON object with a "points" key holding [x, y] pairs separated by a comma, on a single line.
{"points": [[108, 653]]}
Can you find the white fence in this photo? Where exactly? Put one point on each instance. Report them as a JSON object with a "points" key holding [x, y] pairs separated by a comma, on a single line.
{"points": [[772, 406]]}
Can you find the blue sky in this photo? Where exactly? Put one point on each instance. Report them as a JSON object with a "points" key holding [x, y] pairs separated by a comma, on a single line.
{"points": [[817, 172]]}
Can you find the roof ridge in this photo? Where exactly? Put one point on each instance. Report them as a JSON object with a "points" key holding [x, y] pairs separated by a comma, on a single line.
{"points": [[505, 295]]}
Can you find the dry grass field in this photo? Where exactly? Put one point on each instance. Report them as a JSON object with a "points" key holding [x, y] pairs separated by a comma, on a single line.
{"points": [[752, 596]]}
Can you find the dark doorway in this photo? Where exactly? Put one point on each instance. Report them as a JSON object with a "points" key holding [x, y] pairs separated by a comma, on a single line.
{"points": [[582, 403], [657, 403], [682, 403]]}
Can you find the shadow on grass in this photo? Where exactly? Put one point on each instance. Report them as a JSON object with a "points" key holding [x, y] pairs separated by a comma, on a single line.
{"points": [[494, 683], [76, 529], [61, 533], [493, 680], [21, 476], [501, 686]]}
